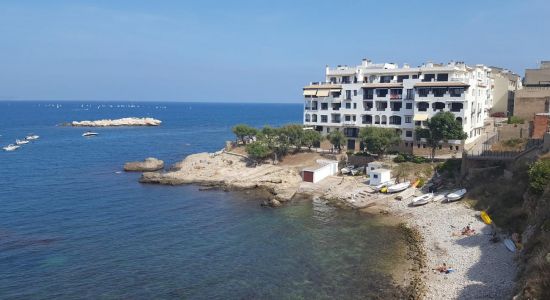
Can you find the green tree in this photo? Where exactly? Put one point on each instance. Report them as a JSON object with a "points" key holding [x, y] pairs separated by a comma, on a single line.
{"points": [[311, 138], [379, 140], [539, 176], [441, 128], [243, 131], [294, 134], [258, 151], [337, 139], [276, 140]]}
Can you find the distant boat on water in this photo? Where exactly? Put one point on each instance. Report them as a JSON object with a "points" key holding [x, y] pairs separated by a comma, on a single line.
{"points": [[89, 133], [11, 147], [32, 137], [21, 142]]}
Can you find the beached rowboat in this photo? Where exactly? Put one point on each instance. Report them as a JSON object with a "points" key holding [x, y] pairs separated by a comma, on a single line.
{"points": [[456, 195], [399, 187], [421, 200]]}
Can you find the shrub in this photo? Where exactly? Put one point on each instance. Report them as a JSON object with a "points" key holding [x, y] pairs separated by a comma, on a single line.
{"points": [[515, 120], [418, 159], [399, 158], [539, 176]]}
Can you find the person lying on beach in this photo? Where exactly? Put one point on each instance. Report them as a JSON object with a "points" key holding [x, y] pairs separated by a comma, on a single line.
{"points": [[443, 269], [468, 231], [465, 231]]}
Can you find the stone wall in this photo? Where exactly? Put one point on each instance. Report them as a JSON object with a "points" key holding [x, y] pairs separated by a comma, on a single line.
{"points": [[420, 148], [512, 131], [530, 101]]}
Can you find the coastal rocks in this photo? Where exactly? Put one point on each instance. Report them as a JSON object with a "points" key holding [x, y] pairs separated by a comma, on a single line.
{"points": [[148, 165], [230, 172], [271, 203], [117, 122]]}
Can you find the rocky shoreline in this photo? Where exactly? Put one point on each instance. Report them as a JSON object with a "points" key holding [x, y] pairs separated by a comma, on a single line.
{"points": [[429, 230], [116, 122]]}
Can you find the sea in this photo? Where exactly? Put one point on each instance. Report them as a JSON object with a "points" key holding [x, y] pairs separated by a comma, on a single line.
{"points": [[73, 225]]}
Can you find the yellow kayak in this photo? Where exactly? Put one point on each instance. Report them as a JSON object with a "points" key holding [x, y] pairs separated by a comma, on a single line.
{"points": [[485, 217], [384, 190], [415, 183]]}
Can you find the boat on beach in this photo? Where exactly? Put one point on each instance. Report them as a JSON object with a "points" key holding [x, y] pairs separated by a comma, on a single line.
{"points": [[421, 200], [384, 185], [399, 187], [89, 133], [456, 195], [21, 142], [11, 147]]}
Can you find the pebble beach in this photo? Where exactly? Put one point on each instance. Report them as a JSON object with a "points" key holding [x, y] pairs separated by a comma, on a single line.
{"points": [[482, 269]]}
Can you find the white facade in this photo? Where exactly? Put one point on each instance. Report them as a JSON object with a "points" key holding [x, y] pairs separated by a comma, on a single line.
{"points": [[379, 176], [403, 98]]}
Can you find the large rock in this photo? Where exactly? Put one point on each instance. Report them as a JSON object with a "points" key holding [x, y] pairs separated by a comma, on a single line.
{"points": [[148, 165]]}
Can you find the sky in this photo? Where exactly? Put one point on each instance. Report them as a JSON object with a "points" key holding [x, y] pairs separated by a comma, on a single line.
{"points": [[246, 51]]}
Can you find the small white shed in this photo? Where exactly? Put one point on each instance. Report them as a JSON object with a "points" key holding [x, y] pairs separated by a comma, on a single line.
{"points": [[379, 176], [327, 168], [375, 165]]}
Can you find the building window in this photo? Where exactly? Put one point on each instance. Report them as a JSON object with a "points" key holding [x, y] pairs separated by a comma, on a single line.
{"points": [[417, 123], [408, 133], [324, 119], [348, 105], [348, 94], [408, 119], [408, 105], [354, 105], [443, 77], [355, 92], [324, 106]]}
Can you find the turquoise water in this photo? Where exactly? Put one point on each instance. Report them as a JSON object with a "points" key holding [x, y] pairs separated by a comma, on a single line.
{"points": [[72, 226]]}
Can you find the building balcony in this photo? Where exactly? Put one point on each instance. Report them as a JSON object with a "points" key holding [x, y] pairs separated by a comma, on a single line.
{"points": [[396, 96], [349, 123]]}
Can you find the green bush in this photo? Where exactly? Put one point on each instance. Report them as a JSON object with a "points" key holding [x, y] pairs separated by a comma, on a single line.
{"points": [[399, 158], [515, 120], [539, 176], [418, 159], [421, 182]]}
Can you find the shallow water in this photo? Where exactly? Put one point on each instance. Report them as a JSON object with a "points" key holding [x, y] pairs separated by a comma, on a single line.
{"points": [[73, 226]]}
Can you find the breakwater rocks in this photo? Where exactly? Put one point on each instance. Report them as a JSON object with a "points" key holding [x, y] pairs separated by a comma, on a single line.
{"points": [[148, 165], [230, 172], [116, 122]]}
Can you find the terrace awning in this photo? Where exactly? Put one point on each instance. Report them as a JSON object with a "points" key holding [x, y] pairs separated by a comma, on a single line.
{"points": [[420, 117], [310, 92], [322, 93]]}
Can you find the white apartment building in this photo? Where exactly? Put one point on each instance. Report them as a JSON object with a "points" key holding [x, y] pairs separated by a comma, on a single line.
{"points": [[403, 98]]}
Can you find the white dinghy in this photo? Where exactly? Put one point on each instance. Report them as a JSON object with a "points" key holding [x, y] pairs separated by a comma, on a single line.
{"points": [[421, 200], [399, 187], [456, 195]]}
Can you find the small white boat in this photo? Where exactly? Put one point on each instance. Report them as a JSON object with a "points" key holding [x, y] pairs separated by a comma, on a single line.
{"points": [[347, 169], [383, 185], [32, 137], [456, 195], [21, 142], [90, 133], [421, 200], [11, 147], [399, 187]]}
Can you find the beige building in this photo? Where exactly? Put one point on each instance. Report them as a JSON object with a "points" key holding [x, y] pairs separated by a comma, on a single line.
{"points": [[506, 83], [534, 98], [538, 77]]}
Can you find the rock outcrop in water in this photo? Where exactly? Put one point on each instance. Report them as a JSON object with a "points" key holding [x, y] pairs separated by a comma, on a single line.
{"points": [[230, 172], [150, 164], [117, 122]]}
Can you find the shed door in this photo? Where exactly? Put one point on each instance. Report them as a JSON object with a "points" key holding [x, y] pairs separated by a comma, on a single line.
{"points": [[308, 176]]}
